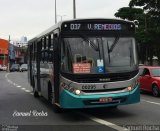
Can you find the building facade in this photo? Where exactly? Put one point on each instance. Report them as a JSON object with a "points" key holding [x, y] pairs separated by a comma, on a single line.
{"points": [[3, 52]]}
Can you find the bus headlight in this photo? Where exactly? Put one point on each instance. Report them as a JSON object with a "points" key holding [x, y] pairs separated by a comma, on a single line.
{"points": [[131, 87], [70, 88], [77, 92]]}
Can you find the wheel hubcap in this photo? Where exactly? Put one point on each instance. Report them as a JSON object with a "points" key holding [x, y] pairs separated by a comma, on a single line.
{"points": [[155, 91]]}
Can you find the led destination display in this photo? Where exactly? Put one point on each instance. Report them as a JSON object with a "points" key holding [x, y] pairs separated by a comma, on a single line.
{"points": [[97, 27]]}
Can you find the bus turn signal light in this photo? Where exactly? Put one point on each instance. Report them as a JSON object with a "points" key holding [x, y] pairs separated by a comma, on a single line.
{"points": [[129, 88]]}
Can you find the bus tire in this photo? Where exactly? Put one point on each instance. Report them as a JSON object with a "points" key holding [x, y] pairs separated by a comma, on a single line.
{"points": [[35, 93], [56, 108]]}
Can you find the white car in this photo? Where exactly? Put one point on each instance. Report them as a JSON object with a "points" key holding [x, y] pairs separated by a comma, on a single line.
{"points": [[0, 67], [23, 67], [4, 67]]}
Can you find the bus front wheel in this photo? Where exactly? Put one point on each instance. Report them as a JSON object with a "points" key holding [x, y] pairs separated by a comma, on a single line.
{"points": [[35, 93]]}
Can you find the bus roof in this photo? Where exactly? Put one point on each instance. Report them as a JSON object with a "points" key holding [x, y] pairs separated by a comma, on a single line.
{"points": [[58, 25]]}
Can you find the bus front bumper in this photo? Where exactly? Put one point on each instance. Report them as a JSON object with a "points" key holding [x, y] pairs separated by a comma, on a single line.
{"points": [[71, 101]]}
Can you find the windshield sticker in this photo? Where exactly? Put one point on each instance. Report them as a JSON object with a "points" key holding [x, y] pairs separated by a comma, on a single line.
{"points": [[100, 62], [81, 68], [100, 66], [100, 69]]}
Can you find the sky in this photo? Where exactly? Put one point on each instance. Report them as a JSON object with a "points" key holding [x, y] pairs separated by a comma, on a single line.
{"points": [[30, 17]]}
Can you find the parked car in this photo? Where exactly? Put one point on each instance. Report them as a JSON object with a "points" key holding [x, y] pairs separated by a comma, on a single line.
{"points": [[4, 67], [0, 67], [149, 78], [14, 67], [23, 67]]}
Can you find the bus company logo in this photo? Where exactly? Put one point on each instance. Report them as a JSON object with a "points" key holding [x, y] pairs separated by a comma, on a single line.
{"points": [[105, 86], [88, 87], [105, 79]]}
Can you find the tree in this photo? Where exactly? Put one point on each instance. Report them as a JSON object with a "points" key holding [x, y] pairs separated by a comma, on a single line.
{"points": [[152, 11], [148, 31], [129, 13]]}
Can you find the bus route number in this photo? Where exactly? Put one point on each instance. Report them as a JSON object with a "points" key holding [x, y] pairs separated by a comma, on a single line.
{"points": [[75, 26]]}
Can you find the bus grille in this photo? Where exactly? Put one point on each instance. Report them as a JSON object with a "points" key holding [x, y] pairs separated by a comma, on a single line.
{"points": [[104, 90], [106, 77], [100, 78]]}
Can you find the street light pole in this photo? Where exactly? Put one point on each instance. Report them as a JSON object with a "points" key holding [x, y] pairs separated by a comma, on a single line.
{"points": [[61, 16], [8, 54], [74, 9], [55, 12]]}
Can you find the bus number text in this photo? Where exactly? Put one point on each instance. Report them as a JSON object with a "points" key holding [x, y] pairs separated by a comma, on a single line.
{"points": [[75, 26]]}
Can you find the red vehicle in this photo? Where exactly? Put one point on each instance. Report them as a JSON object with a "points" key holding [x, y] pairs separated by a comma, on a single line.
{"points": [[150, 79]]}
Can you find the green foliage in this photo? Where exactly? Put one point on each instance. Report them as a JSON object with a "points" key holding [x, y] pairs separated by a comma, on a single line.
{"points": [[148, 17], [147, 13], [129, 13]]}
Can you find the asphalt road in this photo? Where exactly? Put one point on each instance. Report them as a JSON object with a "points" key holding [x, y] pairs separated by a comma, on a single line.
{"points": [[16, 97]]}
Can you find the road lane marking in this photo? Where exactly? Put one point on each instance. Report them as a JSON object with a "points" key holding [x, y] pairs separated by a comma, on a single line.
{"points": [[27, 91], [6, 75], [103, 122], [16, 85], [156, 103]]}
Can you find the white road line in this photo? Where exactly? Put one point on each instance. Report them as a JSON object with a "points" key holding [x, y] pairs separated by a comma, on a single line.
{"points": [[6, 75], [27, 91], [16, 85], [9, 81], [156, 103], [103, 122]]}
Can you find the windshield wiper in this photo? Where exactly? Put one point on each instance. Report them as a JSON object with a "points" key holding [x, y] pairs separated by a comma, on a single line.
{"points": [[113, 45], [99, 49], [66, 42], [96, 48], [109, 58]]}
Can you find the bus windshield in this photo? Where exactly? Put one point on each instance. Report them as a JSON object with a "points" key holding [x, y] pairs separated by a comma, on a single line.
{"points": [[95, 55]]}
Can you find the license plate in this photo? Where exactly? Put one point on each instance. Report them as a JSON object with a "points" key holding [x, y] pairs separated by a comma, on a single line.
{"points": [[106, 100]]}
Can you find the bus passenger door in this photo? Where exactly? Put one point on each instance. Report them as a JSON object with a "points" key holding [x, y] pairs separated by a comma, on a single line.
{"points": [[56, 66]]}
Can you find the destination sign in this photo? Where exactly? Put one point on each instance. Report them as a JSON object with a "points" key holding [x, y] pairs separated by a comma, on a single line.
{"points": [[96, 26]]}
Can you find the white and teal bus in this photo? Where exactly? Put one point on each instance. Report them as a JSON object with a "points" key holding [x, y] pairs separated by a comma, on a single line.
{"points": [[85, 63]]}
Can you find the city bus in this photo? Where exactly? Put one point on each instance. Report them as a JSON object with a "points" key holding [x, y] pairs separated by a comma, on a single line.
{"points": [[85, 63]]}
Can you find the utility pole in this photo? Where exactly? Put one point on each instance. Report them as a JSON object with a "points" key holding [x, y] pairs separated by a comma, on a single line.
{"points": [[55, 12], [8, 54], [4, 59], [61, 16], [74, 9]]}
